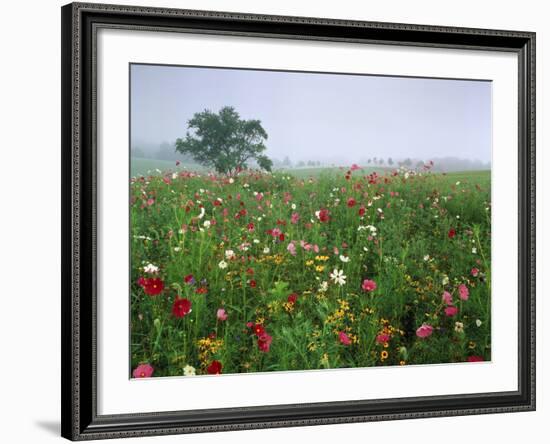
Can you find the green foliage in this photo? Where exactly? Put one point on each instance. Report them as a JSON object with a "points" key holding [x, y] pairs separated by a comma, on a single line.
{"points": [[224, 141]]}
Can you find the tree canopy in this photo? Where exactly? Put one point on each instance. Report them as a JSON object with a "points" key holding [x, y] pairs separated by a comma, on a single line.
{"points": [[224, 141]]}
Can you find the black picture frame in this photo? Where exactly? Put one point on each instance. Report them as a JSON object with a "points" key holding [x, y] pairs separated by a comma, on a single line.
{"points": [[80, 420]]}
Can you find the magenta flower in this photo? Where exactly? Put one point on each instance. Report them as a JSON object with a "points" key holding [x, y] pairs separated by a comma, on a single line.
{"points": [[143, 371], [368, 285], [463, 292], [344, 338], [424, 331], [447, 298], [294, 218], [382, 338], [475, 272], [451, 311], [221, 314]]}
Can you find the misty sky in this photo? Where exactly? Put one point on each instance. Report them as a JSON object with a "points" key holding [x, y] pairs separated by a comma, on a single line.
{"points": [[327, 117]]}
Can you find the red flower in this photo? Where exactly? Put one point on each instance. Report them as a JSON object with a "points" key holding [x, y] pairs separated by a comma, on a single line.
{"points": [[451, 233], [151, 286], [215, 368], [259, 329], [362, 211], [181, 307], [189, 279], [250, 226], [252, 283], [201, 290], [475, 272], [292, 298], [264, 342], [281, 237], [475, 359], [323, 215], [351, 202]]}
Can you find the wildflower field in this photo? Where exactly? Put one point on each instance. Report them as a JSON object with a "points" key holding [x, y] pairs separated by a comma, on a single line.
{"points": [[280, 271]]}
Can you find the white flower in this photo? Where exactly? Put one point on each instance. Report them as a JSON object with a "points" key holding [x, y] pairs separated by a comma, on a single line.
{"points": [[445, 280], [293, 206], [222, 265], [207, 224], [231, 180], [427, 257], [256, 241], [266, 250], [344, 259], [189, 370], [174, 176], [338, 276], [150, 268], [229, 254], [246, 185], [478, 322], [323, 287], [474, 250], [176, 249], [458, 183], [201, 215], [459, 327]]}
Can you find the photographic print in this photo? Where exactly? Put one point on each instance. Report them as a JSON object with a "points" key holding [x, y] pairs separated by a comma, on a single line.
{"points": [[302, 220]]}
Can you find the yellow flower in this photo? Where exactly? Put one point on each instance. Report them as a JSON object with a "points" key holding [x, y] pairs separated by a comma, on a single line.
{"points": [[320, 268], [383, 354]]}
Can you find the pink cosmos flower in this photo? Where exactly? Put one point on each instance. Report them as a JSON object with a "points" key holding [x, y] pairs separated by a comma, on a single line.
{"points": [[447, 298], [294, 218], [474, 272], [451, 311], [221, 314], [382, 338], [316, 248], [463, 292], [150, 201], [291, 248], [344, 338], [424, 331], [264, 342], [143, 371], [368, 285]]}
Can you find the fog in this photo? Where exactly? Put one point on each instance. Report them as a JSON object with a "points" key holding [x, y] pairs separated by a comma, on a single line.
{"points": [[322, 118]]}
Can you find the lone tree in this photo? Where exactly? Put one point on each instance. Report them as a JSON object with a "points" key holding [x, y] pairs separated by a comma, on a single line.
{"points": [[224, 141]]}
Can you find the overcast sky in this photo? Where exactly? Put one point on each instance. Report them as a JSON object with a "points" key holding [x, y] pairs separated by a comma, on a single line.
{"points": [[321, 116]]}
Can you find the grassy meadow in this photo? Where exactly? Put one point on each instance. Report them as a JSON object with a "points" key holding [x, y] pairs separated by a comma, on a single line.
{"points": [[299, 270]]}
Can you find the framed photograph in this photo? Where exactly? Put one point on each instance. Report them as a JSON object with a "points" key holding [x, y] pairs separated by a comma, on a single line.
{"points": [[278, 221]]}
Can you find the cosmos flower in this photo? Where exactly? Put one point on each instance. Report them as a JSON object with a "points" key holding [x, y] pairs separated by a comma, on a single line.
{"points": [[143, 371], [344, 338], [424, 331], [447, 298], [150, 268], [338, 277], [221, 314], [451, 311], [151, 286], [181, 307], [368, 285], [463, 292], [215, 368]]}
